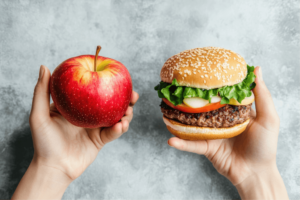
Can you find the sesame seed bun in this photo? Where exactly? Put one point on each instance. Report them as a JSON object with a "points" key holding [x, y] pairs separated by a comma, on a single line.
{"points": [[188, 132], [205, 68]]}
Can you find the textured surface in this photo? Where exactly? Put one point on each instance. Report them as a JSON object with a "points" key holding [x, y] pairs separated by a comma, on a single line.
{"points": [[143, 35]]}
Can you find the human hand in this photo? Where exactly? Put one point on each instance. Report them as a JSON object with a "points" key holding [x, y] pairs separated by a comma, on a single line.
{"points": [[61, 146], [250, 155]]}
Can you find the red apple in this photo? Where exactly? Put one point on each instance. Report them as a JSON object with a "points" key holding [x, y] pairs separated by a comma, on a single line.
{"points": [[91, 91]]}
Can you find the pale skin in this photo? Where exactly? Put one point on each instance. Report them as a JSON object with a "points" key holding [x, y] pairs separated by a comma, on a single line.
{"points": [[248, 160], [62, 151]]}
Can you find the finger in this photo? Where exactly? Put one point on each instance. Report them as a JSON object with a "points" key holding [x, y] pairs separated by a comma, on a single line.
{"points": [[94, 135], [125, 126], [128, 115], [263, 101], [134, 98], [111, 133], [41, 98], [53, 108], [199, 147], [127, 118]]}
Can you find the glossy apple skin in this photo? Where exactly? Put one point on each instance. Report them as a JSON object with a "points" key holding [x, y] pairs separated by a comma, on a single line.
{"points": [[91, 99]]}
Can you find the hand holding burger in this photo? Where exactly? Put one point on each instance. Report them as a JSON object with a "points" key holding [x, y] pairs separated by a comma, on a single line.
{"points": [[249, 159]]}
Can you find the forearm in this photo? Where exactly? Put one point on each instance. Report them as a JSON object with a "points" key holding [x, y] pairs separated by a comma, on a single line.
{"points": [[266, 185], [41, 182]]}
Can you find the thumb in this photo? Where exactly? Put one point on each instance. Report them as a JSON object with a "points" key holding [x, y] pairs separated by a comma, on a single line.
{"points": [[41, 99], [199, 146], [263, 100]]}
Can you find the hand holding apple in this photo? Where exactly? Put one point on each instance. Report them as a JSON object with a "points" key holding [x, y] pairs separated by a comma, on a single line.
{"points": [[62, 151], [91, 91]]}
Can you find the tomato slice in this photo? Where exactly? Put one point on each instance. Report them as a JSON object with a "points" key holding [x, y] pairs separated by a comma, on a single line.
{"points": [[187, 109]]}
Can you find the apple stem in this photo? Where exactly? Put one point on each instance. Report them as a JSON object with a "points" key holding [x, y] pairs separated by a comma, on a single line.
{"points": [[96, 57]]}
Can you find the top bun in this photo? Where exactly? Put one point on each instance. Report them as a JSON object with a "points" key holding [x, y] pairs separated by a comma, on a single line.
{"points": [[205, 68]]}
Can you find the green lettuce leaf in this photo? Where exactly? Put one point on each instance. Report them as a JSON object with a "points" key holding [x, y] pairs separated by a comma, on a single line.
{"points": [[175, 93]]}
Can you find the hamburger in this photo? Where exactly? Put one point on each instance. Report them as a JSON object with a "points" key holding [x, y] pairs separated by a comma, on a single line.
{"points": [[206, 93]]}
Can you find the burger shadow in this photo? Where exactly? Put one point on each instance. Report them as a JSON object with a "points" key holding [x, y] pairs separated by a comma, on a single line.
{"points": [[18, 157]]}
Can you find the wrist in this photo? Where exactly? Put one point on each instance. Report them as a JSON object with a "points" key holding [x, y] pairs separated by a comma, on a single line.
{"points": [[42, 182], [266, 184], [50, 173]]}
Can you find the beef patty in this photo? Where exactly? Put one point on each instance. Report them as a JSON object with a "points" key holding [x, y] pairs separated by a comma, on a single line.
{"points": [[224, 117]]}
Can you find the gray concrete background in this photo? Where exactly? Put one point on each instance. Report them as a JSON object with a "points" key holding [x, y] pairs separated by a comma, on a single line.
{"points": [[142, 35]]}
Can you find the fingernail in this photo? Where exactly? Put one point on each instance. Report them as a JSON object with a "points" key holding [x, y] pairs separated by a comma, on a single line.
{"points": [[260, 73], [42, 70]]}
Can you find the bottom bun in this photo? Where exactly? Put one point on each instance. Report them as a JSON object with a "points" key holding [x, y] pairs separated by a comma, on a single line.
{"points": [[188, 132]]}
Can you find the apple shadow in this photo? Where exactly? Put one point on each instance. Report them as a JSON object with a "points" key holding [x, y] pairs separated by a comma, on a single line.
{"points": [[18, 156]]}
